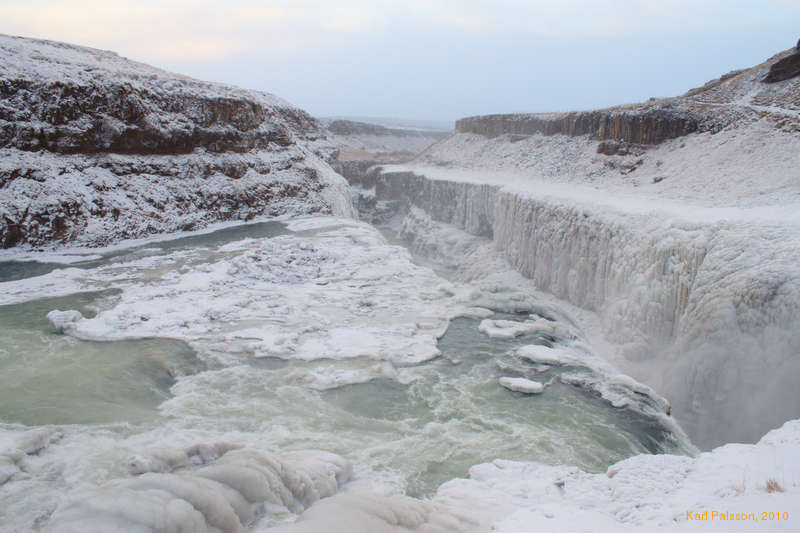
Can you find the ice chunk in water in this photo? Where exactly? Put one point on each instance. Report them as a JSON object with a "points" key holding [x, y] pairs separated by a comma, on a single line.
{"points": [[522, 385], [63, 321]]}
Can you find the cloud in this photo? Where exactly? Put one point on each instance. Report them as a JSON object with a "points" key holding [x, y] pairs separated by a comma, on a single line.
{"points": [[205, 32], [186, 30], [208, 31]]}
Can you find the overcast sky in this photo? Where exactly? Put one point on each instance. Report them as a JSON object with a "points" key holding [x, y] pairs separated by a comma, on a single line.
{"points": [[434, 59]]}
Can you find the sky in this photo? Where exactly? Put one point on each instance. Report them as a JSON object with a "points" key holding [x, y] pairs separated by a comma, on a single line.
{"points": [[429, 59]]}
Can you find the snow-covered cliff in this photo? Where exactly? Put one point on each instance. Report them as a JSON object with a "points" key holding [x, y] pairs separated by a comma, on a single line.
{"points": [[686, 251], [95, 148]]}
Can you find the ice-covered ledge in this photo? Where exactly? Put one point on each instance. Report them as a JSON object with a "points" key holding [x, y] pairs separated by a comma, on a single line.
{"points": [[700, 302]]}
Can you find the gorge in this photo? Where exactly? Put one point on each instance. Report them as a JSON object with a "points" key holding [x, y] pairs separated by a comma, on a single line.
{"points": [[221, 314]]}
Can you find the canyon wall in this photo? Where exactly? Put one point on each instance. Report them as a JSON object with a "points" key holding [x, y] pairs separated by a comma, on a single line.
{"points": [[640, 126], [702, 311], [95, 148], [674, 220]]}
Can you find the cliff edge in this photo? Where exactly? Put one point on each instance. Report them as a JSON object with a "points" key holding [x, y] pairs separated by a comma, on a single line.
{"points": [[737, 95]]}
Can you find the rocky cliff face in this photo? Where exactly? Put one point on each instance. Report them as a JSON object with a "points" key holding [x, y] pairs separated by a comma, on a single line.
{"points": [[785, 68], [95, 148], [712, 107], [649, 125]]}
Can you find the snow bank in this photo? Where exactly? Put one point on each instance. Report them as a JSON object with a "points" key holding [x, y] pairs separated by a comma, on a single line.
{"points": [[643, 493], [368, 513]]}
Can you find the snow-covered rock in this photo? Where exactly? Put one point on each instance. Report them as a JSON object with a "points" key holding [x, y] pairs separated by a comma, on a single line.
{"points": [[95, 148], [627, 129], [643, 493], [359, 141]]}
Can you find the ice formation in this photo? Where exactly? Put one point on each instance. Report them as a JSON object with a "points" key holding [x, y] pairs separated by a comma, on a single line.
{"points": [[63, 321], [526, 386], [15, 446], [225, 495], [369, 513], [288, 283], [686, 295]]}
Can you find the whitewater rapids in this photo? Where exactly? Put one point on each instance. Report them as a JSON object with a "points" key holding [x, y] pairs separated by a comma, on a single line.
{"points": [[188, 382]]}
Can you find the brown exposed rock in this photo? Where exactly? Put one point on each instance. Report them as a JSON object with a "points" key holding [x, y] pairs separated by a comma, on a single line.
{"points": [[69, 118], [737, 95], [612, 147], [646, 126], [785, 69]]}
